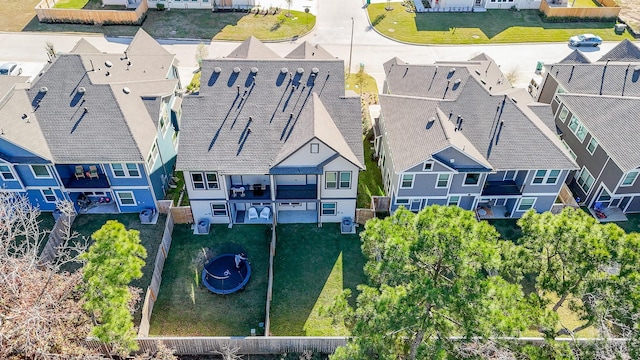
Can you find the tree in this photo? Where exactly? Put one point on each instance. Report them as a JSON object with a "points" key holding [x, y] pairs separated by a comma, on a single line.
{"points": [[40, 306], [432, 276], [113, 261], [594, 267], [201, 53]]}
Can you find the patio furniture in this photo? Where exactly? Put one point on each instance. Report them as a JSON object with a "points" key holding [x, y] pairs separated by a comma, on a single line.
{"points": [[79, 172], [93, 172], [265, 213], [237, 190], [253, 213]]}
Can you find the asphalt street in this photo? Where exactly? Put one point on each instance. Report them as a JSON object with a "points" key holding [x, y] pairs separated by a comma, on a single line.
{"points": [[335, 21]]}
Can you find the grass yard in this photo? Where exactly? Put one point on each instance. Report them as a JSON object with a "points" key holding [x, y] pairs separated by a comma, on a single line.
{"points": [[312, 265], [16, 14], [584, 3], [196, 24], [150, 237], [186, 308], [268, 27], [493, 26], [370, 180], [70, 4]]}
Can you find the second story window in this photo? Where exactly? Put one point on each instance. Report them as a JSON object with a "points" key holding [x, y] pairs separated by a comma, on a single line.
{"points": [[212, 181], [546, 177], [443, 181], [315, 148], [332, 177], [202, 181], [577, 128], [563, 114], [41, 171], [6, 173], [407, 181], [592, 146], [198, 180], [151, 160], [472, 179], [125, 170], [630, 178]]}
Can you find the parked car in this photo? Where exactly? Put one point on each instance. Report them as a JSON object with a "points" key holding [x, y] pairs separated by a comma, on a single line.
{"points": [[10, 69], [585, 40]]}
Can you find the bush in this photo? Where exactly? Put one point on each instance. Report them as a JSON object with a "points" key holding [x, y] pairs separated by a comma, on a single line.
{"points": [[564, 19], [160, 6]]}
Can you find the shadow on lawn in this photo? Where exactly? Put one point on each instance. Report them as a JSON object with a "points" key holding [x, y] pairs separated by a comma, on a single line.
{"points": [[494, 22], [312, 266]]}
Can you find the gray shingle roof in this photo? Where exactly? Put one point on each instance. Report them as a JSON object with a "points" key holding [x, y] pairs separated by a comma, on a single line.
{"points": [[252, 48], [624, 51], [496, 130], [576, 57], [615, 127], [143, 44], [308, 51], [72, 134], [241, 123], [84, 47], [597, 78]]}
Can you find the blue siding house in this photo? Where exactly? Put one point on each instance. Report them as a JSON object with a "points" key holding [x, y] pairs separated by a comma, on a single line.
{"points": [[100, 130]]}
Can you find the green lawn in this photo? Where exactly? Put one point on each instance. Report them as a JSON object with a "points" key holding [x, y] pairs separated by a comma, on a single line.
{"points": [[312, 265], [186, 308], [71, 4], [493, 26], [197, 24], [584, 3], [370, 180], [150, 237], [268, 27]]}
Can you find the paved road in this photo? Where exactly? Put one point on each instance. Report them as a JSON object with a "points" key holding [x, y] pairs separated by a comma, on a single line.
{"points": [[333, 32]]}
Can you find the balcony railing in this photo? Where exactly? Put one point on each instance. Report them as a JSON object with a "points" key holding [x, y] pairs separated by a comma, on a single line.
{"points": [[291, 192], [507, 187], [251, 192], [87, 183]]}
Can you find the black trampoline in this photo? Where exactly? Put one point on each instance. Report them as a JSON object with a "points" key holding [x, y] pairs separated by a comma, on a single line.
{"points": [[221, 276]]}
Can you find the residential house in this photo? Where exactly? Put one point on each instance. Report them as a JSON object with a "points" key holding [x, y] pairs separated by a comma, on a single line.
{"points": [[97, 129], [457, 133], [596, 106], [482, 5], [272, 139], [212, 4]]}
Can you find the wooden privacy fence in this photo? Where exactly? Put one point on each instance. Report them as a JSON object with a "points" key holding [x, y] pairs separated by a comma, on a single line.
{"points": [[610, 10], [154, 288], [57, 235], [48, 14], [245, 345], [272, 254], [182, 214]]}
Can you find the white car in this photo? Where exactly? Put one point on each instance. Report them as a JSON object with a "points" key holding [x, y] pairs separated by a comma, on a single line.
{"points": [[10, 69]]}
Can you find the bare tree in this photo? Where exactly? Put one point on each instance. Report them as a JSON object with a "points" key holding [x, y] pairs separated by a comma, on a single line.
{"points": [[162, 352], [229, 352], [201, 53], [40, 307]]}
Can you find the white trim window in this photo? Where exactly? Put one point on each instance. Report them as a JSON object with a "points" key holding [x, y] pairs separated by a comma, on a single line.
{"points": [[126, 198], [164, 119], [546, 177], [630, 178], [406, 181], [329, 208], [49, 195], [526, 204], [6, 172], [471, 179], [577, 128], [331, 180], [428, 166], [174, 140], [564, 112], [402, 201], [566, 146], [314, 148], [219, 210], [197, 179], [41, 172], [453, 200], [151, 159], [125, 170], [212, 180], [443, 181], [592, 145], [585, 179]]}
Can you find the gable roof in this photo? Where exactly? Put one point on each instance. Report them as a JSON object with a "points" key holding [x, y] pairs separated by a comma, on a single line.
{"points": [[497, 126], [252, 48], [615, 129], [246, 122], [84, 47], [308, 51], [617, 79], [576, 57], [624, 51], [143, 44]]}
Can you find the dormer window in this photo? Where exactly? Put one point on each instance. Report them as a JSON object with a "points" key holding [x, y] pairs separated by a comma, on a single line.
{"points": [[428, 166]]}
